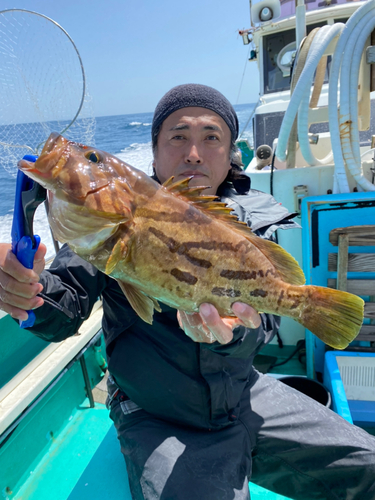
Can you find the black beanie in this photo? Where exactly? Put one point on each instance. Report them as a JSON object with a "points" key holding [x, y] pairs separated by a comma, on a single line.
{"points": [[194, 95]]}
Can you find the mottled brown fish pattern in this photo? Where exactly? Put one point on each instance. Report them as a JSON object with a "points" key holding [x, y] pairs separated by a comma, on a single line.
{"points": [[172, 244]]}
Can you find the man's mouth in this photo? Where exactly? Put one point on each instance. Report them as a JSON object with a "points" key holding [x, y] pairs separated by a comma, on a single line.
{"points": [[193, 173]]}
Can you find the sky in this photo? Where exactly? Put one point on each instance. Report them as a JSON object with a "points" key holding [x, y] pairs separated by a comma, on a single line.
{"points": [[135, 51]]}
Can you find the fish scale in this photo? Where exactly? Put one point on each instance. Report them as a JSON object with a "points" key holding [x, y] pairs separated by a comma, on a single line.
{"points": [[170, 243]]}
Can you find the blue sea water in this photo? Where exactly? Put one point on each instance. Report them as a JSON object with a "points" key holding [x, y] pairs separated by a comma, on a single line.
{"points": [[126, 136]]}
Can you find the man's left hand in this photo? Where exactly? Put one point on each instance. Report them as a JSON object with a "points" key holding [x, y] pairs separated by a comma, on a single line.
{"points": [[208, 327]]}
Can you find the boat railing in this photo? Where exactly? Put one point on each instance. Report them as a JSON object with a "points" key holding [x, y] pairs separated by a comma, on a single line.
{"points": [[23, 390]]}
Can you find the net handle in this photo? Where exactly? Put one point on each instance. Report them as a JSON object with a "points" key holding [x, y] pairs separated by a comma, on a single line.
{"points": [[79, 58]]}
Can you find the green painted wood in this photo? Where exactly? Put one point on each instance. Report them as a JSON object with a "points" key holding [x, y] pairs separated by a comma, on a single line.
{"points": [[30, 444], [17, 348], [35, 435]]}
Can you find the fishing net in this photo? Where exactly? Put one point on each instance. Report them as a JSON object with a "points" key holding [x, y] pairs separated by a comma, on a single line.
{"points": [[42, 86]]}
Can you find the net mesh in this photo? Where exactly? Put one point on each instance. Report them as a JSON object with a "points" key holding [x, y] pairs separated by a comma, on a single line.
{"points": [[42, 87]]}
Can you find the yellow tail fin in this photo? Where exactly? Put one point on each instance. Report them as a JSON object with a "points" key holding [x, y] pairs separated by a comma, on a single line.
{"points": [[332, 315]]}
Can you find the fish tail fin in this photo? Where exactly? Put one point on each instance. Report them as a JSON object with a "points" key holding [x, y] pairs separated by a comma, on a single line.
{"points": [[333, 315]]}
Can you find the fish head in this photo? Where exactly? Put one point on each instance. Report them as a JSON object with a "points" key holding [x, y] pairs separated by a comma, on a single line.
{"points": [[88, 189], [83, 175], [73, 168]]}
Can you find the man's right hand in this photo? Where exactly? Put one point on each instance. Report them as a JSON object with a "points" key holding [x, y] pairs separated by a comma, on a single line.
{"points": [[19, 286]]}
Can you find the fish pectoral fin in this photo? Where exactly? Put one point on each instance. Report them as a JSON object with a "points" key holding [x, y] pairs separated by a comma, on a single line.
{"points": [[118, 252], [142, 304]]}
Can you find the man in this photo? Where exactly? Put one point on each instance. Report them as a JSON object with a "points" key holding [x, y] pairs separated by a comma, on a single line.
{"points": [[194, 419]]}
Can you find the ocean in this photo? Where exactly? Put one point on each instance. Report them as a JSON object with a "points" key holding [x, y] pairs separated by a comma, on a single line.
{"points": [[126, 136]]}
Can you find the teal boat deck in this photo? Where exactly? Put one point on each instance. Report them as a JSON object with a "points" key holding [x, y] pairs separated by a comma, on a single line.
{"points": [[84, 462], [76, 454], [66, 450]]}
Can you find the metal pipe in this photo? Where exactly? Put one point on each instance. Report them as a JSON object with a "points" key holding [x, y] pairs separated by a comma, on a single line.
{"points": [[300, 21], [87, 381]]}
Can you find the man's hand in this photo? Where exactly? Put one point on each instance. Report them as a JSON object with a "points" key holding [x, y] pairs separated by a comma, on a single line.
{"points": [[207, 326], [18, 285]]}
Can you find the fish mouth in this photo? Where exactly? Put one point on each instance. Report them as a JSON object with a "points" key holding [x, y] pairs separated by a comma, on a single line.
{"points": [[54, 141], [26, 166], [53, 154]]}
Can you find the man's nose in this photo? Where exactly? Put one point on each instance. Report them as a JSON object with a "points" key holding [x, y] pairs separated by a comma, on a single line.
{"points": [[192, 155]]}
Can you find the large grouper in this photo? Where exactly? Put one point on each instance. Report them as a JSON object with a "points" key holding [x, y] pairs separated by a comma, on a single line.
{"points": [[170, 243]]}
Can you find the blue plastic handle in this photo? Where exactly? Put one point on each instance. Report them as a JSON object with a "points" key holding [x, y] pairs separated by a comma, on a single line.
{"points": [[22, 245]]}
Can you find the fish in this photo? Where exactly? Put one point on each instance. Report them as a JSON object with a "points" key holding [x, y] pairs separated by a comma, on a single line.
{"points": [[173, 244]]}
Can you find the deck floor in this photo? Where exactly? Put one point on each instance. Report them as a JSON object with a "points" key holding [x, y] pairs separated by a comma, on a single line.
{"points": [[88, 452], [100, 390]]}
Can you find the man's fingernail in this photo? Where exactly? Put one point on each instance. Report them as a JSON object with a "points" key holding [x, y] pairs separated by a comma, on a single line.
{"points": [[39, 302], [205, 309], [240, 307], [225, 339], [20, 316]]}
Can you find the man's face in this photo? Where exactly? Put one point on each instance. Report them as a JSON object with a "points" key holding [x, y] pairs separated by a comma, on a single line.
{"points": [[194, 142]]}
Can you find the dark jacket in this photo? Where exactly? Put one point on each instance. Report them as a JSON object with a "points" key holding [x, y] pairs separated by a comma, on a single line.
{"points": [[158, 366]]}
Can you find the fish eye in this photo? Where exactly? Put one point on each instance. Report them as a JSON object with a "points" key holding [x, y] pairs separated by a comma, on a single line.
{"points": [[92, 156]]}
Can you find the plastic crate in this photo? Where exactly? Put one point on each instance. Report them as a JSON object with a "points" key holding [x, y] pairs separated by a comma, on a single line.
{"points": [[350, 377]]}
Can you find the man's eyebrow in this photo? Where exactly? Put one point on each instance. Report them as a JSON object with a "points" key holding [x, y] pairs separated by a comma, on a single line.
{"points": [[212, 127], [180, 127], [186, 127]]}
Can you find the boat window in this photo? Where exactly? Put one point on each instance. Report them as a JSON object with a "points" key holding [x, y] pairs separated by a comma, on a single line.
{"points": [[278, 54], [285, 58], [343, 20]]}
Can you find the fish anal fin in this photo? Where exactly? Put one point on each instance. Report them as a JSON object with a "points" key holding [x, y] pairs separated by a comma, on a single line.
{"points": [[142, 304], [156, 304]]}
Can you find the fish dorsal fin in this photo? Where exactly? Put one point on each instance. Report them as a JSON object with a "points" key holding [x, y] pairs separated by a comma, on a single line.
{"points": [[207, 203], [286, 266], [168, 182], [190, 193], [142, 304]]}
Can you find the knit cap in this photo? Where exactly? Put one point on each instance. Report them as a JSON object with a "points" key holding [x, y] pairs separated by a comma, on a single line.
{"points": [[196, 95]]}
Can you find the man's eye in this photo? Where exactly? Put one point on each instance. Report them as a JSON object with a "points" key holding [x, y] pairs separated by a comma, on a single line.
{"points": [[178, 137], [212, 138]]}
